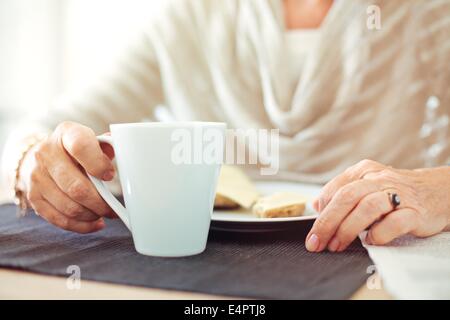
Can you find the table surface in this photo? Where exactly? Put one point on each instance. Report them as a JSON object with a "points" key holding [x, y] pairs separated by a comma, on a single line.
{"points": [[16, 284]]}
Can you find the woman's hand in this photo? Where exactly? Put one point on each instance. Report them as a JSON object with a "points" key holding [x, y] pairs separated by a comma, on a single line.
{"points": [[54, 181], [358, 199]]}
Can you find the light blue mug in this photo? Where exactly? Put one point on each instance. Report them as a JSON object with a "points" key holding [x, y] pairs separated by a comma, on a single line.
{"points": [[168, 199]]}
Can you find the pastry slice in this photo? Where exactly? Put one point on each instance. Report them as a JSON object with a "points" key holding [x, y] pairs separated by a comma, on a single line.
{"points": [[280, 204], [224, 203], [234, 189]]}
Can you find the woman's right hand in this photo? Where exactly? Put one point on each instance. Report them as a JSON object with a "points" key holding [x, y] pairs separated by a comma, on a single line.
{"points": [[52, 175]]}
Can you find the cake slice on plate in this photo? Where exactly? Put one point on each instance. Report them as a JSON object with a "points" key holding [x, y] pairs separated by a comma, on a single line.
{"points": [[280, 205], [234, 189]]}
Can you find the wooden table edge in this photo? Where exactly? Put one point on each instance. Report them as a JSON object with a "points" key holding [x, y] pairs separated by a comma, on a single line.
{"points": [[24, 285]]}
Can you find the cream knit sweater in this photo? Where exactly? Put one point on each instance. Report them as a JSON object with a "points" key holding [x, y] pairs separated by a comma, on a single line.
{"points": [[362, 93]]}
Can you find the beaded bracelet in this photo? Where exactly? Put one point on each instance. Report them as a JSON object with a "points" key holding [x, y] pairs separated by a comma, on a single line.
{"points": [[20, 196]]}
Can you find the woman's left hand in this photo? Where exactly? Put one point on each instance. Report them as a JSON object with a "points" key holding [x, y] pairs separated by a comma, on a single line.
{"points": [[358, 199]]}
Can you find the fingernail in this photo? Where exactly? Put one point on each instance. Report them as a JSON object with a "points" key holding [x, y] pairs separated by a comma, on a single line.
{"points": [[100, 224], [334, 244], [316, 205], [109, 175], [313, 243]]}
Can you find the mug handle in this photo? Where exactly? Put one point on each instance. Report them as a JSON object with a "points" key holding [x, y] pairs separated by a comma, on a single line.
{"points": [[106, 194]]}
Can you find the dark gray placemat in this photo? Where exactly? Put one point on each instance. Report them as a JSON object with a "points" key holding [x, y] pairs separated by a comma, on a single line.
{"points": [[244, 265]]}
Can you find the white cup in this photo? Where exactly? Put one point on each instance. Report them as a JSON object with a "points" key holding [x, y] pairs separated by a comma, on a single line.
{"points": [[168, 202]]}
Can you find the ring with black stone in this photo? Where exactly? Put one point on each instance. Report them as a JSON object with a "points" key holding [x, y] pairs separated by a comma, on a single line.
{"points": [[394, 199]]}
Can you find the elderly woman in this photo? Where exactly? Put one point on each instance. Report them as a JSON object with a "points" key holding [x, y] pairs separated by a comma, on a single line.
{"points": [[339, 81]]}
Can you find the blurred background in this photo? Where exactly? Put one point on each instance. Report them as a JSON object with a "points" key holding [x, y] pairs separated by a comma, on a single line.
{"points": [[49, 46]]}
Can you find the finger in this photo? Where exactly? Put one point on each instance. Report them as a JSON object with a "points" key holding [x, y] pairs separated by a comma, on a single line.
{"points": [[370, 208], [49, 213], [330, 189], [316, 205], [107, 148], [69, 178], [394, 225], [71, 209], [353, 173], [82, 144], [345, 200]]}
